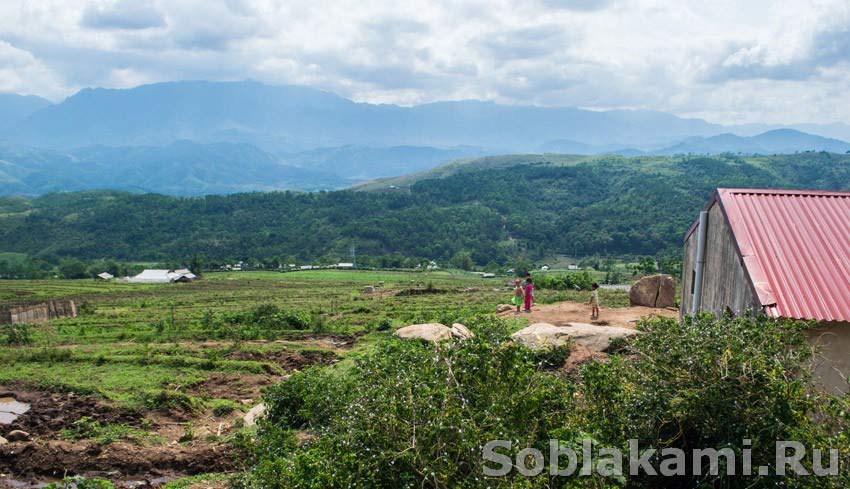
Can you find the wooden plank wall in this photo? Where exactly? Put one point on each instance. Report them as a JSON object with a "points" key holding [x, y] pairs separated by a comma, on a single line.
{"points": [[36, 313], [725, 285]]}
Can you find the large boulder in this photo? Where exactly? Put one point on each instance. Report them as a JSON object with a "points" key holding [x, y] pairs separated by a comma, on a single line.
{"points": [[427, 332], [596, 338], [654, 291], [666, 292], [461, 332], [540, 336]]}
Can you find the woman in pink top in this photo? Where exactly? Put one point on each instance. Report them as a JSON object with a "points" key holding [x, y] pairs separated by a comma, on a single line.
{"points": [[529, 297]]}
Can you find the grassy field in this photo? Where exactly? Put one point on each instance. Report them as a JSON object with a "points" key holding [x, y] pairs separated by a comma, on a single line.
{"points": [[190, 359]]}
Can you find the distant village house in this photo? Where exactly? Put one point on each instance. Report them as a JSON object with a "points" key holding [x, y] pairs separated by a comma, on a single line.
{"points": [[162, 277]]}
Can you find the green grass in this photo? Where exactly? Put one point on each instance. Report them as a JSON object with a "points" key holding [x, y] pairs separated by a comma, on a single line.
{"points": [[142, 340], [150, 347]]}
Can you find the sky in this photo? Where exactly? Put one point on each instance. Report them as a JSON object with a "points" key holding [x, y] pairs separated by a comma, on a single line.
{"points": [[767, 61]]}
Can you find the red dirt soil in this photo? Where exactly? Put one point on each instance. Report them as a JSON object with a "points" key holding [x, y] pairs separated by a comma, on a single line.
{"points": [[573, 312]]}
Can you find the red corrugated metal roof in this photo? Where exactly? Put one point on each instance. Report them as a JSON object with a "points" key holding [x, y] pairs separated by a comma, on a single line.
{"points": [[795, 247]]}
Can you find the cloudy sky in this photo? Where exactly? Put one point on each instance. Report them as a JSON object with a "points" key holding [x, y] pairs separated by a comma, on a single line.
{"points": [[775, 61]]}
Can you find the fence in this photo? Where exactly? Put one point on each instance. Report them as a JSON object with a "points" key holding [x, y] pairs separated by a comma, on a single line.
{"points": [[36, 313]]}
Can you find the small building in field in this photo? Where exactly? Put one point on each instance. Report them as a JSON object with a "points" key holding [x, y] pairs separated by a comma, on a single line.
{"points": [[784, 253], [162, 277], [347, 266], [105, 276]]}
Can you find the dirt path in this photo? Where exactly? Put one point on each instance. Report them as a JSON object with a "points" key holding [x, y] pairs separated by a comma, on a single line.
{"points": [[573, 312]]}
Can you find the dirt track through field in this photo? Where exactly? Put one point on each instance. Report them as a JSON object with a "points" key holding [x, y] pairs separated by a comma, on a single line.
{"points": [[573, 312]]}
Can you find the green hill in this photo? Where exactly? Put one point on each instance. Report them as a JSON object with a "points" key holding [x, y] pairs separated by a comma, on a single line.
{"points": [[493, 208]]}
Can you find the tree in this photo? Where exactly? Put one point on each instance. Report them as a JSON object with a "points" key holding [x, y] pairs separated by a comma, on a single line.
{"points": [[522, 267], [73, 269], [196, 266], [462, 260]]}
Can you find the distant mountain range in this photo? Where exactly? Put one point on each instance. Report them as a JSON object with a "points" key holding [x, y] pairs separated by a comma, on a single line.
{"points": [[15, 108], [291, 118], [182, 168], [191, 138]]}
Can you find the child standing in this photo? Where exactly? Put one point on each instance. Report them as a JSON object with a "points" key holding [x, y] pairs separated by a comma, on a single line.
{"points": [[529, 295], [519, 295], [594, 301]]}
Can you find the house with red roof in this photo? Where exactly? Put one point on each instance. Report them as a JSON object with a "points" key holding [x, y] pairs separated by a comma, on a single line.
{"points": [[784, 253]]}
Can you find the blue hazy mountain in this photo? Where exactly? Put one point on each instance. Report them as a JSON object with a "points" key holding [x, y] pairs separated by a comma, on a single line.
{"points": [[292, 118], [771, 142], [366, 163], [14, 108], [181, 168]]}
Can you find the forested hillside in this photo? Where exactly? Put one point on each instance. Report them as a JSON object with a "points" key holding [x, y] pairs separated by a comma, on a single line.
{"points": [[598, 205]]}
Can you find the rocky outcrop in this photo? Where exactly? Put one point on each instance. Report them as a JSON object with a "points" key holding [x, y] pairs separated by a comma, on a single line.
{"points": [[596, 338], [254, 414], [540, 336], [654, 291], [461, 332], [427, 332]]}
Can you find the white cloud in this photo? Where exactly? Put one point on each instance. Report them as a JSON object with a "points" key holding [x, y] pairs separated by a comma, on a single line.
{"points": [[727, 60], [122, 14]]}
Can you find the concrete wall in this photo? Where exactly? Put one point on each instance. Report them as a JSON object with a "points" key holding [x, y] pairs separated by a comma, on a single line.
{"points": [[832, 356], [725, 285]]}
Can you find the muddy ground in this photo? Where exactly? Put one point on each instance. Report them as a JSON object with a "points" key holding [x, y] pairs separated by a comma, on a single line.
{"points": [[168, 455]]}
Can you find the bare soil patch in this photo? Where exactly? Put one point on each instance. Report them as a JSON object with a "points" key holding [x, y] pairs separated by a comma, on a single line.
{"points": [[116, 461], [51, 412], [289, 360], [573, 312]]}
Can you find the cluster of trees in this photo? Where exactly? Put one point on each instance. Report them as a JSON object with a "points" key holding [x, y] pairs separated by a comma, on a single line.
{"points": [[608, 206]]}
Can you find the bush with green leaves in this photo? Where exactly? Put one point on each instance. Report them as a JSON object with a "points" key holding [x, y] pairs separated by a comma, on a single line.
{"points": [[564, 281], [708, 383], [411, 414], [265, 321], [17, 334]]}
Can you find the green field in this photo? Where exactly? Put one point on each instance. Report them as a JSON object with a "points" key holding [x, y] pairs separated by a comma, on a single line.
{"points": [[198, 355]]}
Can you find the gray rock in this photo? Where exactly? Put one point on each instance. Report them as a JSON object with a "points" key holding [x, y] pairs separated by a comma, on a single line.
{"points": [[504, 308], [3, 441], [461, 332], [254, 414], [540, 336], [428, 332], [369, 289], [666, 292], [18, 435], [654, 291]]}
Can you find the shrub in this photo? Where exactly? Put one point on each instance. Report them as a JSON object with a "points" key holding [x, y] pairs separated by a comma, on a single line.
{"points": [[408, 414], [709, 383], [17, 334], [566, 281]]}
